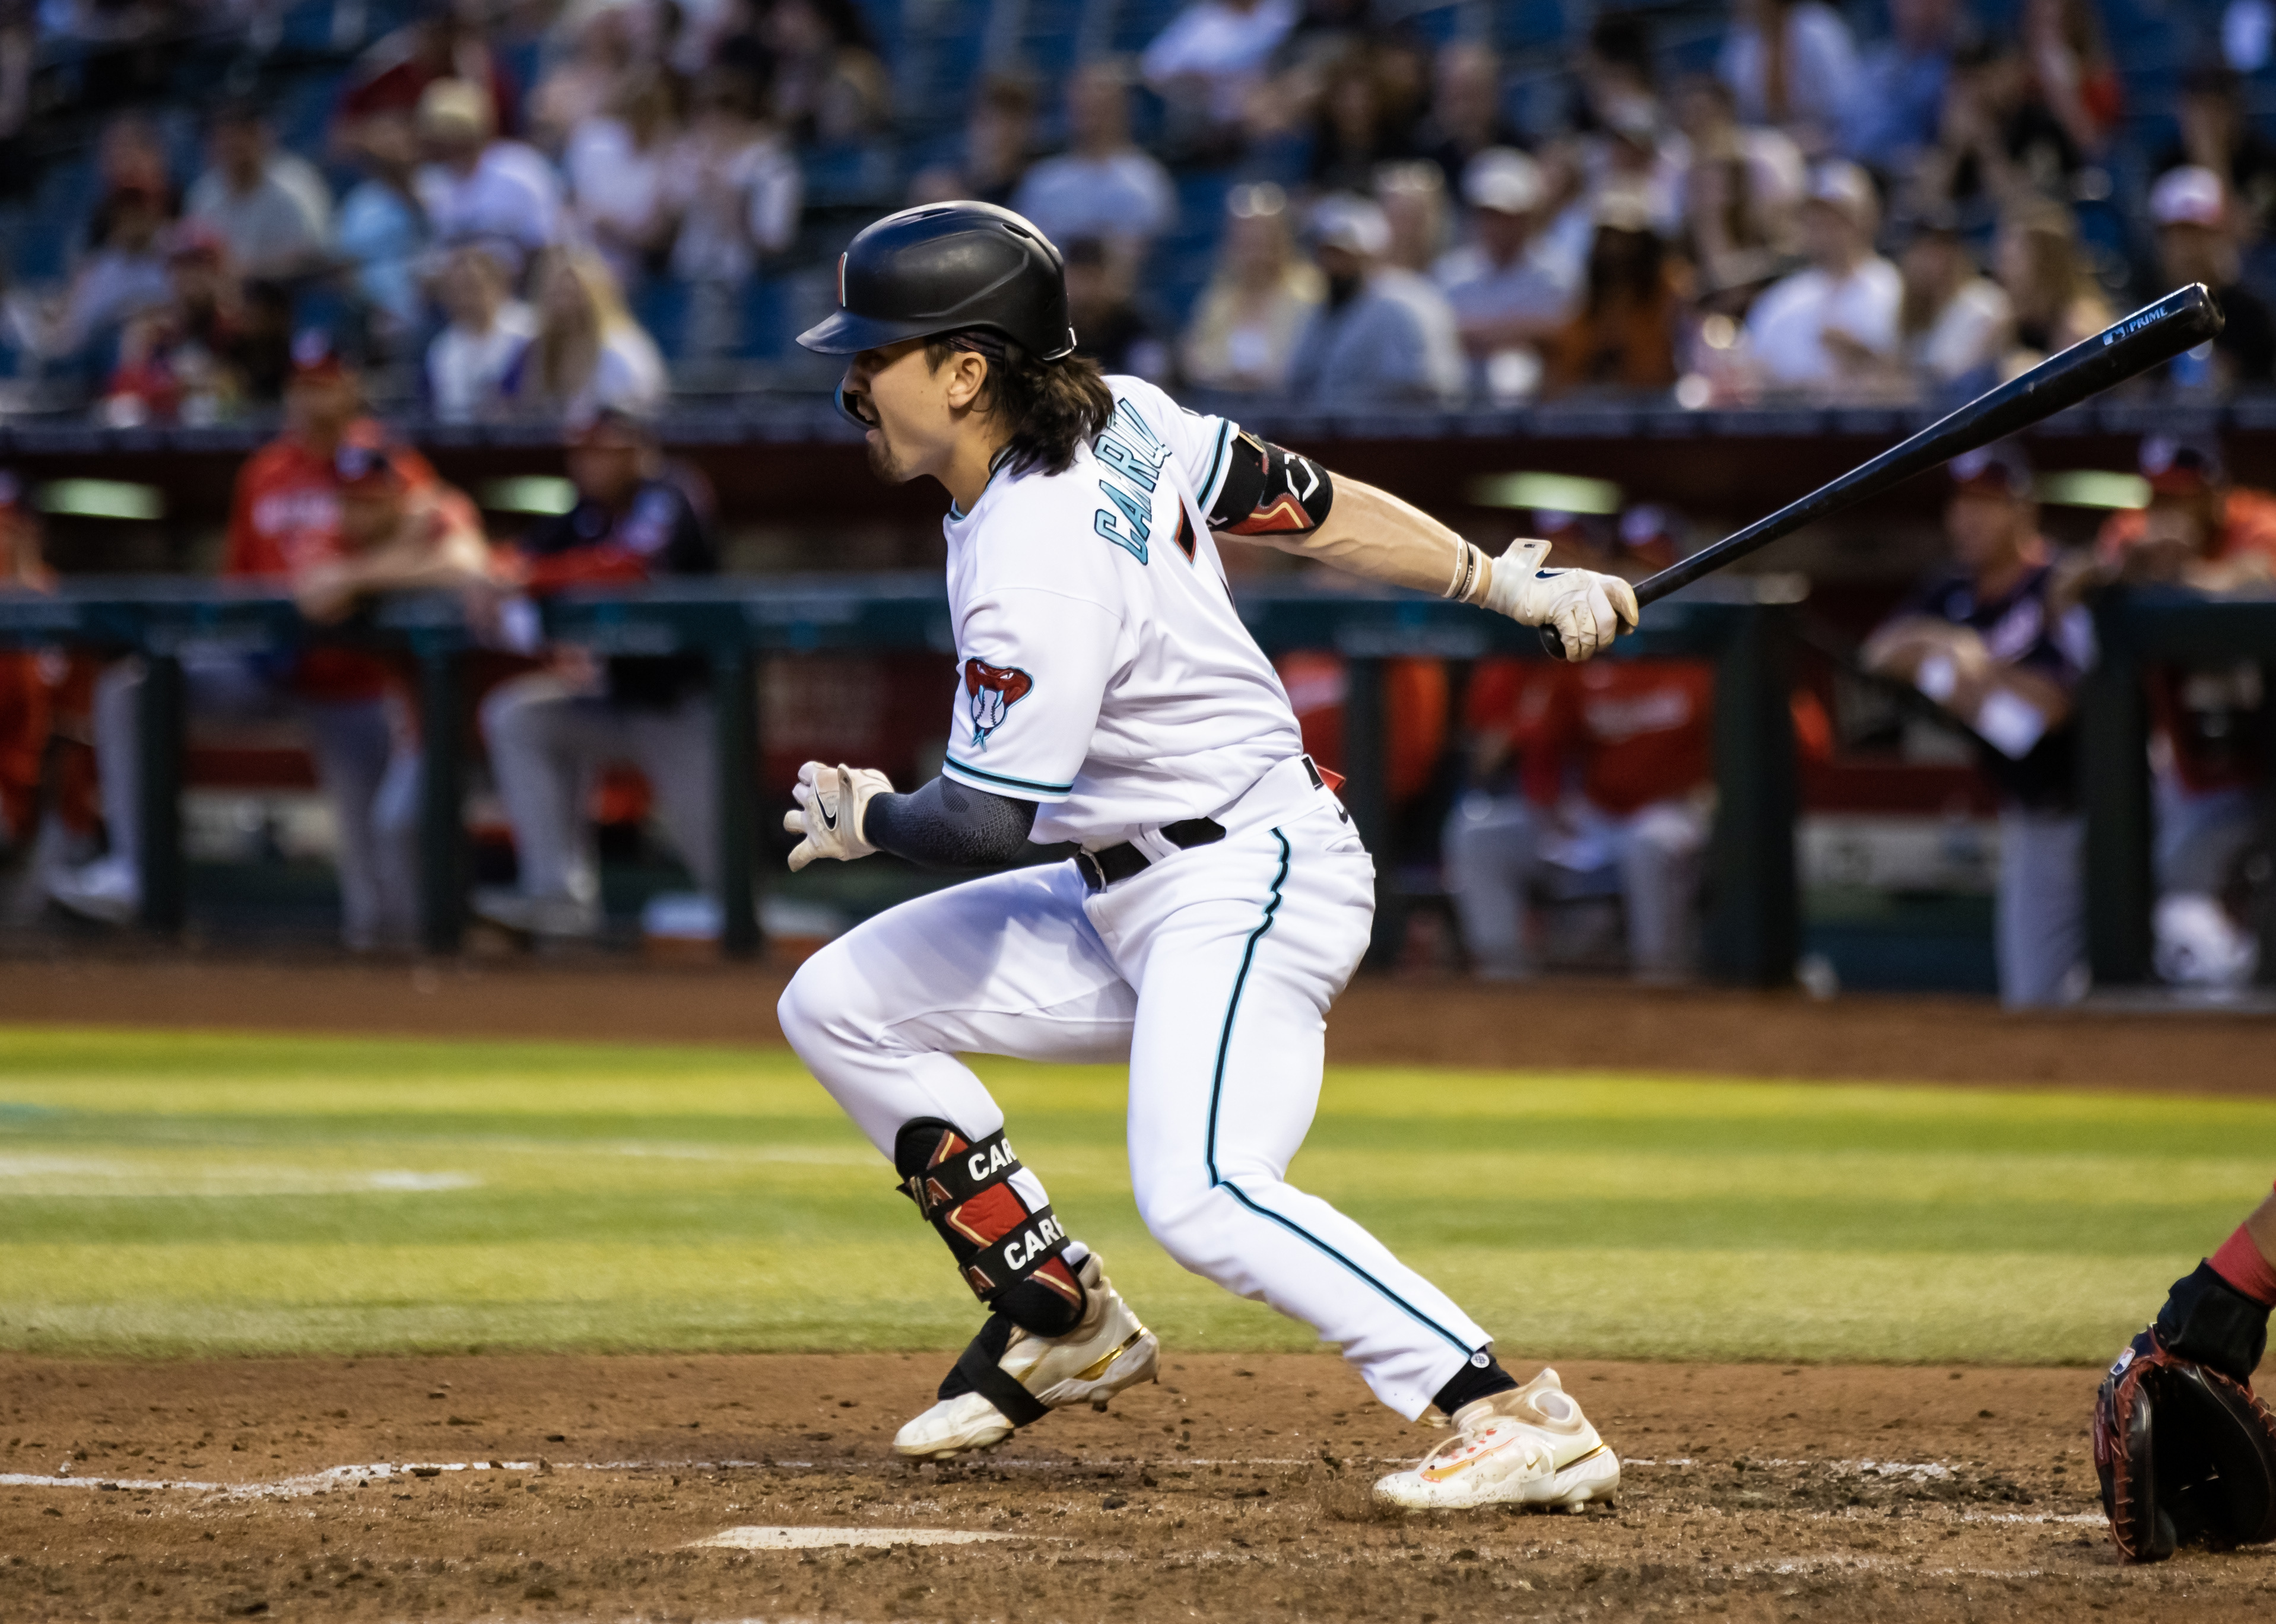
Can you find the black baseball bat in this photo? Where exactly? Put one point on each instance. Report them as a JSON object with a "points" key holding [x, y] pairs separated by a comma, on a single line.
{"points": [[2149, 338]]}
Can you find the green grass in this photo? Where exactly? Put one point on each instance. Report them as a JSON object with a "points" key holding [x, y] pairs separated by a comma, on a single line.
{"points": [[180, 1193]]}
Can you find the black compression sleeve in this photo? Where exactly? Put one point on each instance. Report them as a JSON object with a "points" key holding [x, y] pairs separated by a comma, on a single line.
{"points": [[949, 826]]}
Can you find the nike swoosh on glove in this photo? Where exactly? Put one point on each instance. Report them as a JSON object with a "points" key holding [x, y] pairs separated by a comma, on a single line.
{"points": [[832, 803], [1588, 608]]}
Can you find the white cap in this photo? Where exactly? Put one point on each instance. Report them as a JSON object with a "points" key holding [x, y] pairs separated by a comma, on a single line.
{"points": [[1842, 185], [1347, 221], [1503, 180], [2190, 195]]}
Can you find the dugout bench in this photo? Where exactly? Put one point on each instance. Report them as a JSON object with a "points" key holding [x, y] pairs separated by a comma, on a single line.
{"points": [[1752, 922]]}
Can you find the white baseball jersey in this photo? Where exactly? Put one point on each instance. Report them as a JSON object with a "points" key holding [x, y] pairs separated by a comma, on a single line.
{"points": [[1106, 676], [1102, 669]]}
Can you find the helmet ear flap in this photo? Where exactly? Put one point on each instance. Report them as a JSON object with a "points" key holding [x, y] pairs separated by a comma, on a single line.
{"points": [[854, 407]]}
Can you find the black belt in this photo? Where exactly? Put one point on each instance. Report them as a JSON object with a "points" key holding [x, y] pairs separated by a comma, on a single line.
{"points": [[1100, 869]]}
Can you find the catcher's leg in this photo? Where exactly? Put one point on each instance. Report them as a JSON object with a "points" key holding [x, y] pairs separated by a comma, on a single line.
{"points": [[1009, 966]]}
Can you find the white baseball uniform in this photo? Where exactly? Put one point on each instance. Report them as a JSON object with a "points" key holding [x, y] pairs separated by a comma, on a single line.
{"points": [[1105, 675]]}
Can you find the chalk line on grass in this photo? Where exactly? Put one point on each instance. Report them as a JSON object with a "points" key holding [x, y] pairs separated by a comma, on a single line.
{"points": [[764, 1538]]}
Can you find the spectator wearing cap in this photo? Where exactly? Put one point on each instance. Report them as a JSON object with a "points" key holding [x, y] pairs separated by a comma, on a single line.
{"points": [[1382, 335], [1247, 322], [1829, 326], [1990, 641], [1792, 64], [475, 187], [292, 524], [1103, 186], [551, 731], [186, 359], [589, 355], [1209, 60], [2208, 758], [271, 208], [1954, 323], [471, 361], [393, 75], [2195, 243], [2218, 133], [1509, 287], [1465, 116]]}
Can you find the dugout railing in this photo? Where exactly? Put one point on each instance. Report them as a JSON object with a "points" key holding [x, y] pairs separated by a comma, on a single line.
{"points": [[1744, 624]]}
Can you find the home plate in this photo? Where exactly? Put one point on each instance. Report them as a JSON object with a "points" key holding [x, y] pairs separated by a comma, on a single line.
{"points": [[810, 1538]]}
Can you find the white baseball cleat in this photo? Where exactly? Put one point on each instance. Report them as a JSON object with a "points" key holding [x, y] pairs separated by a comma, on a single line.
{"points": [[1530, 1446], [518, 911], [1107, 1351]]}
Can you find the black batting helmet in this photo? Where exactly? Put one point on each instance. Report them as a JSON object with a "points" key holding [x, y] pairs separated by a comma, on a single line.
{"points": [[944, 267]]}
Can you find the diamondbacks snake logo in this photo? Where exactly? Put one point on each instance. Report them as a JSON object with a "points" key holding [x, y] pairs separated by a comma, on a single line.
{"points": [[989, 691]]}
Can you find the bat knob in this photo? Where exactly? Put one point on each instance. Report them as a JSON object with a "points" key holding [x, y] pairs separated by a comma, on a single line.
{"points": [[1551, 644]]}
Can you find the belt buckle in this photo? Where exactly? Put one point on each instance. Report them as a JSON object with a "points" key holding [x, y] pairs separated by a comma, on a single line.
{"points": [[1087, 864]]}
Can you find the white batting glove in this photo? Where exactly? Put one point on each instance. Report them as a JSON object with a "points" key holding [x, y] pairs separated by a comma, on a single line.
{"points": [[832, 803], [1588, 608]]}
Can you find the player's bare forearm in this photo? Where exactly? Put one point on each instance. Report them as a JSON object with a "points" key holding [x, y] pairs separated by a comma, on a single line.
{"points": [[1373, 534]]}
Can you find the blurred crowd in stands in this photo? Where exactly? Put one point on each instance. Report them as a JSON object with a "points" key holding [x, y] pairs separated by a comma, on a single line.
{"points": [[545, 209]]}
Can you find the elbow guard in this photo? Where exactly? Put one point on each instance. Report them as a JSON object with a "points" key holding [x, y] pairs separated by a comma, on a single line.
{"points": [[1269, 491]]}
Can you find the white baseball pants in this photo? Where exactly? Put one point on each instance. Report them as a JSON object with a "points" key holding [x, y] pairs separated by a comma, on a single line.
{"points": [[1494, 848], [547, 739], [1211, 973], [367, 760]]}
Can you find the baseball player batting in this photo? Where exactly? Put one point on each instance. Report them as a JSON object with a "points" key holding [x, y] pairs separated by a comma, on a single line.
{"points": [[1218, 899]]}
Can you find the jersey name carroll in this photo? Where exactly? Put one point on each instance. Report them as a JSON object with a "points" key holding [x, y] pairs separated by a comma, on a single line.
{"points": [[1101, 674], [1130, 458]]}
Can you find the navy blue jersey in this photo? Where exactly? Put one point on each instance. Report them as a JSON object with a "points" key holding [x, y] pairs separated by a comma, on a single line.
{"points": [[2020, 628], [656, 532]]}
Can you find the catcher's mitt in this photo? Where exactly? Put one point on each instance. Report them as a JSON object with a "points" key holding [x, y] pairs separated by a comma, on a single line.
{"points": [[2186, 1455]]}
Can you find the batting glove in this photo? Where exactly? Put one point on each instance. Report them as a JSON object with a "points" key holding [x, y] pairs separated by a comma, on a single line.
{"points": [[831, 803], [1588, 608]]}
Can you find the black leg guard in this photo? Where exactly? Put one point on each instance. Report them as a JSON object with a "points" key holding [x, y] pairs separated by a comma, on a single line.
{"points": [[1008, 1255]]}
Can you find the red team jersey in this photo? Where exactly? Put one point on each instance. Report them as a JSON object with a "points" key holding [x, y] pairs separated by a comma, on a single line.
{"points": [[2209, 718], [1630, 732], [285, 517]]}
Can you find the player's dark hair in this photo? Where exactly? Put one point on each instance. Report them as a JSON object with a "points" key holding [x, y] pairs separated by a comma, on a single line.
{"points": [[1051, 406]]}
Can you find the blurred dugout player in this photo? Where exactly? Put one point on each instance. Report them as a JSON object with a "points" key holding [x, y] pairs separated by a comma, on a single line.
{"points": [[1600, 767], [1988, 641], [2200, 531], [333, 513], [46, 794], [1614, 773], [552, 731]]}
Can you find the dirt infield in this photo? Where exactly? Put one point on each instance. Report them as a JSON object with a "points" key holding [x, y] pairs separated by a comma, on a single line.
{"points": [[574, 1488], [1377, 1021]]}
